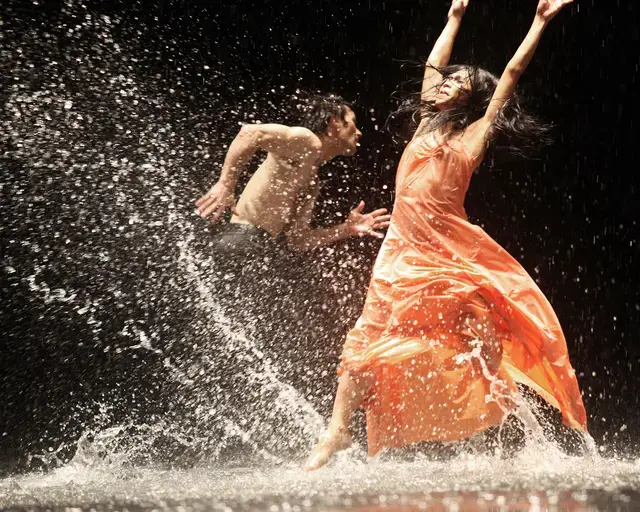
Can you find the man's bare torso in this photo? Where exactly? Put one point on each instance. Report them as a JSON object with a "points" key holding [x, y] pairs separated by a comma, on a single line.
{"points": [[276, 192]]}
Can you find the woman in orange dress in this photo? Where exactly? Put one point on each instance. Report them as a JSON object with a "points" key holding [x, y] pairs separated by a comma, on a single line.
{"points": [[451, 321]]}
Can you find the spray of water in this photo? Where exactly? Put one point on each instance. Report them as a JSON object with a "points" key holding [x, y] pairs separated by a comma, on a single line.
{"points": [[102, 239], [102, 249]]}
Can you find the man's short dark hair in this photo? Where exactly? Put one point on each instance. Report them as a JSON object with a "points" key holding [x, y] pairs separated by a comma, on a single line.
{"points": [[317, 110]]}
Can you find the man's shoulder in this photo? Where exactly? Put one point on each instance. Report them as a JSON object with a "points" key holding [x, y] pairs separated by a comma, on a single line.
{"points": [[306, 136], [294, 142]]}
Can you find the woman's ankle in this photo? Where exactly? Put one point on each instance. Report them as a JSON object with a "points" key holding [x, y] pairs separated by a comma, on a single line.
{"points": [[338, 430]]}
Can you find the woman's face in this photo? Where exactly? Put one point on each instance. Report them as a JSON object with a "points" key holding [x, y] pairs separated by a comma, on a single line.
{"points": [[453, 91]]}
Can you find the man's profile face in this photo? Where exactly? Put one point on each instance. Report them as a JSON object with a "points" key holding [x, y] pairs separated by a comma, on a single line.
{"points": [[346, 132]]}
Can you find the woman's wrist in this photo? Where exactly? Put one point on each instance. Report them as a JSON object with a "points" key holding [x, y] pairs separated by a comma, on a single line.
{"points": [[539, 22]]}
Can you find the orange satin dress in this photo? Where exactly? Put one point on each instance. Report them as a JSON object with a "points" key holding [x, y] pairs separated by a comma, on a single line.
{"points": [[432, 381]]}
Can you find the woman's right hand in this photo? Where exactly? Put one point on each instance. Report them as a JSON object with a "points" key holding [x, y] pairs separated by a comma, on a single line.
{"points": [[458, 8], [216, 201], [547, 9]]}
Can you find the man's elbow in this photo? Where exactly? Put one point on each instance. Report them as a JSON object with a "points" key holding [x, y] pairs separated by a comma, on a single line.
{"points": [[250, 134]]}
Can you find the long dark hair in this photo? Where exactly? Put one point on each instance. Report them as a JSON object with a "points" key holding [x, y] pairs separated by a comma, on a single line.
{"points": [[514, 131]]}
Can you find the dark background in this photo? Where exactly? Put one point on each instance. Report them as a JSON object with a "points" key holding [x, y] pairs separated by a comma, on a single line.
{"points": [[569, 215]]}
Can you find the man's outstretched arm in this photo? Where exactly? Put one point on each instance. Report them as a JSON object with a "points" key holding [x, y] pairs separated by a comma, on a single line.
{"points": [[301, 237]]}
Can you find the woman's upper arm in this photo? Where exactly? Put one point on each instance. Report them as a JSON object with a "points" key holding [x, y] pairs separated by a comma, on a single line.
{"points": [[476, 138], [432, 78]]}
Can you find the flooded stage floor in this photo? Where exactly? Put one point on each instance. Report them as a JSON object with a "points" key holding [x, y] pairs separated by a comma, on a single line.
{"points": [[537, 481]]}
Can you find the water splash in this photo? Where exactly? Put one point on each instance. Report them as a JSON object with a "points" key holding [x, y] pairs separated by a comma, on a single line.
{"points": [[102, 240], [534, 477], [98, 157]]}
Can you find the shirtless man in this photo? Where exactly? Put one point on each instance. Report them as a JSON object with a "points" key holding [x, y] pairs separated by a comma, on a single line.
{"points": [[275, 209]]}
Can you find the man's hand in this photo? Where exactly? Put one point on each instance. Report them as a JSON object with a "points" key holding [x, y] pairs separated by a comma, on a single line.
{"points": [[458, 8], [367, 224], [216, 201], [547, 9]]}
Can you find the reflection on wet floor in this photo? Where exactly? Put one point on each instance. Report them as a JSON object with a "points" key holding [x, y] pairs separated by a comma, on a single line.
{"points": [[432, 502]]}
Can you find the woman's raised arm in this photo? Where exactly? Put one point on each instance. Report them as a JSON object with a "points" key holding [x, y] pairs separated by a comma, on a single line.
{"points": [[505, 89], [441, 52]]}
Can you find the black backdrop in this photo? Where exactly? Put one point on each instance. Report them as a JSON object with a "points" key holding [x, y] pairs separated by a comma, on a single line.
{"points": [[570, 215]]}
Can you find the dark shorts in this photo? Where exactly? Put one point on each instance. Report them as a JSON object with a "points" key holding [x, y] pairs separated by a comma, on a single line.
{"points": [[244, 245], [255, 275]]}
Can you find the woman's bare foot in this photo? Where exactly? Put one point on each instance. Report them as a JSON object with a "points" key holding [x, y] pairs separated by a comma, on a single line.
{"points": [[328, 444]]}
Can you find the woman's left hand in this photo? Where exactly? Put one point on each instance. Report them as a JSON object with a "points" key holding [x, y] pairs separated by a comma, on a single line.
{"points": [[547, 9], [458, 8]]}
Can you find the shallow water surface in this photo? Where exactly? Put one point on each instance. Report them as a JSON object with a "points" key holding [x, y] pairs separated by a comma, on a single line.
{"points": [[537, 479]]}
